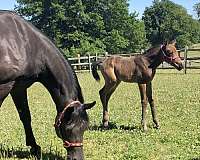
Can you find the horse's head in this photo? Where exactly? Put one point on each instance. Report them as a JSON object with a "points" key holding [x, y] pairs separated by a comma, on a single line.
{"points": [[170, 55], [70, 125]]}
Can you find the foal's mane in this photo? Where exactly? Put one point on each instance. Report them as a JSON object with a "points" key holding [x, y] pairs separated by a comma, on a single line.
{"points": [[151, 50]]}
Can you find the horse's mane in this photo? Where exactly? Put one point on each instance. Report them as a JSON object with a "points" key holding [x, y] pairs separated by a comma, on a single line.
{"points": [[73, 79], [75, 82]]}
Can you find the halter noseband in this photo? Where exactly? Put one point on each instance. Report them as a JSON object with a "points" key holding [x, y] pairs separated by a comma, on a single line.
{"points": [[58, 122], [168, 58], [68, 144]]}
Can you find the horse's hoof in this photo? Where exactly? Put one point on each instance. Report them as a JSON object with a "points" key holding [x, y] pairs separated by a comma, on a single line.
{"points": [[36, 151]]}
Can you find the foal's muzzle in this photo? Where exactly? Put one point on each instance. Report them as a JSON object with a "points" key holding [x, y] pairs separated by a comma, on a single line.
{"points": [[177, 65]]}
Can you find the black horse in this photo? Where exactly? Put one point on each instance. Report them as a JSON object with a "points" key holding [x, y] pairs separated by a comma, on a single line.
{"points": [[27, 56]]}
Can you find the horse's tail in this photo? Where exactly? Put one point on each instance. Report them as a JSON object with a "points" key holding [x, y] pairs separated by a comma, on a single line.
{"points": [[94, 70]]}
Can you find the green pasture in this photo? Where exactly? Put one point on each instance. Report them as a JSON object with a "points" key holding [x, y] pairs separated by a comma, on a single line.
{"points": [[176, 95]]}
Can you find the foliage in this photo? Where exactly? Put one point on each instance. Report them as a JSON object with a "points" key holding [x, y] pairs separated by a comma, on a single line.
{"points": [[165, 21], [178, 112], [86, 26], [197, 9]]}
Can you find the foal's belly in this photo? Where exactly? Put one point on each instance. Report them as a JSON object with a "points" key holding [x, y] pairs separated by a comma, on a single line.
{"points": [[136, 77]]}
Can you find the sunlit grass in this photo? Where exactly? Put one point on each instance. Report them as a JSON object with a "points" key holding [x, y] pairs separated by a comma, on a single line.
{"points": [[176, 95]]}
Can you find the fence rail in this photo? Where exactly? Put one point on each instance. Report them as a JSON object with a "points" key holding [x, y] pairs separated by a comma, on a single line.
{"points": [[84, 63]]}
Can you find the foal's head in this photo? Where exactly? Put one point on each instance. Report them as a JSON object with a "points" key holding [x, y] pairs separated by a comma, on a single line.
{"points": [[70, 126], [170, 55]]}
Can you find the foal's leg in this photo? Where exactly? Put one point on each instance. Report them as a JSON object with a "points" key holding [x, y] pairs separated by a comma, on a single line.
{"points": [[19, 96], [105, 94], [153, 107], [142, 88]]}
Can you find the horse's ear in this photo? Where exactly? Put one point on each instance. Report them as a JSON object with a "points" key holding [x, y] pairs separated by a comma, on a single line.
{"points": [[89, 105]]}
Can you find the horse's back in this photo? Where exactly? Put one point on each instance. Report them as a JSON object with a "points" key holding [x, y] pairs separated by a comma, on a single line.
{"points": [[19, 43]]}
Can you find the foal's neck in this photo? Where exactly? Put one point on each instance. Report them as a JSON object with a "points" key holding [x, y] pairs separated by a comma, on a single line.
{"points": [[154, 56]]}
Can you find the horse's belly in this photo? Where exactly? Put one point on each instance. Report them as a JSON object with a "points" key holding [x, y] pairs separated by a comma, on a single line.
{"points": [[8, 73]]}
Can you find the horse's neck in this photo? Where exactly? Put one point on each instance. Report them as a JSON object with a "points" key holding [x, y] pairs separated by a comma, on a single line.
{"points": [[61, 81], [154, 58]]}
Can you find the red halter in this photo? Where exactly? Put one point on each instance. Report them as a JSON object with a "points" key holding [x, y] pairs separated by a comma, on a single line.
{"points": [[68, 144], [57, 124], [168, 58]]}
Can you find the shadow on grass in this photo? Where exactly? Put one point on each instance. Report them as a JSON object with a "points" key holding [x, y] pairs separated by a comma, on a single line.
{"points": [[113, 125], [19, 153]]}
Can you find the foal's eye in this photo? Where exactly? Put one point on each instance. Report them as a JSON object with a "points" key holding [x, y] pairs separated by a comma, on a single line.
{"points": [[170, 53]]}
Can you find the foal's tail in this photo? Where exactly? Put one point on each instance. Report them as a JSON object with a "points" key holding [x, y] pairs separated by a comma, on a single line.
{"points": [[94, 70]]}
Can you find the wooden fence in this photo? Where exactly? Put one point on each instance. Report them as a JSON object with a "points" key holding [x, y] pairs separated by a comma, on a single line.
{"points": [[191, 62], [84, 63]]}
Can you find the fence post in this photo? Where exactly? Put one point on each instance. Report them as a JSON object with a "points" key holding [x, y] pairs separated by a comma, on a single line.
{"points": [[185, 59], [89, 61], [96, 57], [79, 61], [106, 54]]}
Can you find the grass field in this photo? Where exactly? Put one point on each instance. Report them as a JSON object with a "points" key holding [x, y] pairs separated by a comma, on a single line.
{"points": [[176, 95]]}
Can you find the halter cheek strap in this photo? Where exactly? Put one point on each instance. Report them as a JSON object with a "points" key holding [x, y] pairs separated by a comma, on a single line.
{"points": [[58, 122]]}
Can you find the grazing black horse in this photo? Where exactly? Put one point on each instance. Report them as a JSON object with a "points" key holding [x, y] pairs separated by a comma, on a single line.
{"points": [[136, 69], [27, 56]]}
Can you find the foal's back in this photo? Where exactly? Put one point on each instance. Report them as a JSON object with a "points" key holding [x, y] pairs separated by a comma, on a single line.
{"points": [[127, 69]]}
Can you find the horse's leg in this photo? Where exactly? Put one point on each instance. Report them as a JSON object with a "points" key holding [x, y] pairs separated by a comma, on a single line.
{"points": [[105, 94], [153, 107], [19, 96], [5, 90], [142, 88]]}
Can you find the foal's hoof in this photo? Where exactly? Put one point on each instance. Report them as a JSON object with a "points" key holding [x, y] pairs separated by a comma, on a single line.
{"points": [[105, 125], [36, 151], [145, 129], [156, 126]]}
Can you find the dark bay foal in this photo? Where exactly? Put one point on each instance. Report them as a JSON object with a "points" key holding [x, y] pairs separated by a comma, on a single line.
{"points": [[136, 69], [27, 56]]}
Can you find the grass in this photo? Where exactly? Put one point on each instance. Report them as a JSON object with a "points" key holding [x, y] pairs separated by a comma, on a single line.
{"points": [[176, 95]]}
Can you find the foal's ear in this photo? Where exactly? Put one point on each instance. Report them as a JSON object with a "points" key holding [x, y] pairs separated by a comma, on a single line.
{"points": [[89, 105], [163, 47], [165, 43], [173, 42]]}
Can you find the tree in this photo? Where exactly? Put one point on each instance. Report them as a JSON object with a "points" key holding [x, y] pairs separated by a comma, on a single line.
{"points": [[165, 21], [121, 31], [86, 26], [197, 9]]}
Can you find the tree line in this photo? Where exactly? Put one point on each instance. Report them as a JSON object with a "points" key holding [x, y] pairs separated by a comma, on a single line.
{"points": [[98, 26]]}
